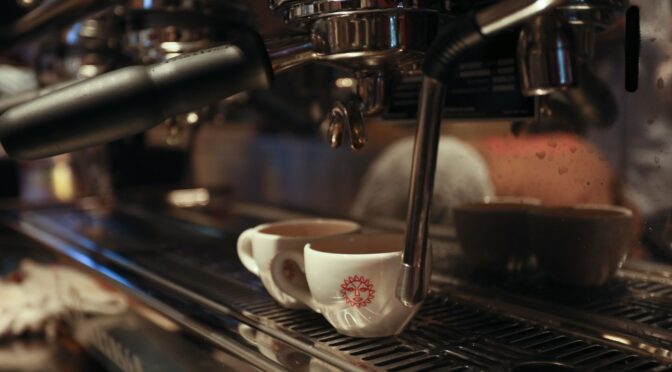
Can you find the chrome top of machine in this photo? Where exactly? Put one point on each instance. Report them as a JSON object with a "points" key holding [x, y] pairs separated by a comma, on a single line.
{"points": [[303, 10]]}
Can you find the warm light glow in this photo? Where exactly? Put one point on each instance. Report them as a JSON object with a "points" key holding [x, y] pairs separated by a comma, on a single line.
{"points": [[345, 82], [192, 118], [189, 198], [63, 181]]}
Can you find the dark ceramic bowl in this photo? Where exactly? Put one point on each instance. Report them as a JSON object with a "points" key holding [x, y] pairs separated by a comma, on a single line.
{"points": [[494, 235], [582, 246]]}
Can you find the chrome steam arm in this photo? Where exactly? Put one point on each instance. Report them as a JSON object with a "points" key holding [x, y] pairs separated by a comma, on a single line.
{"points": [[132, 99]]}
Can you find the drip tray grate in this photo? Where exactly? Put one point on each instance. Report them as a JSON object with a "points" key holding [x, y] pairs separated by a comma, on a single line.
{"points": [[627, 303], [451, 335], [448, 334]]}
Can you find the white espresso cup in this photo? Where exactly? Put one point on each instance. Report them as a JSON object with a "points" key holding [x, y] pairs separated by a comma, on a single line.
{"points": [[257, 247], [352, 281]]}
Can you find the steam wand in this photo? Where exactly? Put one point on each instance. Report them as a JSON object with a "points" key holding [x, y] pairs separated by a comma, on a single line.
{"points": [[131, 100], [455, 38]]}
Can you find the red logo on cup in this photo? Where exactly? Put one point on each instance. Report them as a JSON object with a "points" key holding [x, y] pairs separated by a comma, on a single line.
{"points": [[357, 291], [288, 270]]}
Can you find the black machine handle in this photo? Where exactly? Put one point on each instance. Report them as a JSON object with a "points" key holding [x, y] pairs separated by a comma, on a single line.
{"points": [[131, 100], [633, 41], [458, 36]]}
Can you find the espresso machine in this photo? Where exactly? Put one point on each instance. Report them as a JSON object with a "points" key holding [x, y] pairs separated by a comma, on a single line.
{"points": [[179, 64]]}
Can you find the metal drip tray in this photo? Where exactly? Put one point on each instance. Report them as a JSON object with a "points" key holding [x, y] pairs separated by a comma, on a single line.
{"points": [[632, 303], [458, 328], [449, 335], [648, 303]]}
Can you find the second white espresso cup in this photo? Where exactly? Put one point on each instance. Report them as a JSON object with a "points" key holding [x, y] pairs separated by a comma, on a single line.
{"points": [[257, 247], [352, 282]]}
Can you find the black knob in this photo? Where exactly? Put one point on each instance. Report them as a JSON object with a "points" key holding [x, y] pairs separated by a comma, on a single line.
{"points": [[633, 41]]}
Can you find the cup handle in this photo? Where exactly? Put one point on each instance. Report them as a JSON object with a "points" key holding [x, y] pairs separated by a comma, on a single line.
{"points": [[301, 294], [245, 251]]}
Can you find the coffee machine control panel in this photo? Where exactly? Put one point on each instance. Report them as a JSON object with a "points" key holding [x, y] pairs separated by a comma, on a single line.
{"points": [[485, 85]]}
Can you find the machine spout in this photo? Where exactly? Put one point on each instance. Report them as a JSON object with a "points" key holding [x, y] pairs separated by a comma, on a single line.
{"points": [[412, 284], [452, 41]]}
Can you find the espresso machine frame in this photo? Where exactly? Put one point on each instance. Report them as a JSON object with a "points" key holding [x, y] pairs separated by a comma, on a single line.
{"points": [[376, 42]]}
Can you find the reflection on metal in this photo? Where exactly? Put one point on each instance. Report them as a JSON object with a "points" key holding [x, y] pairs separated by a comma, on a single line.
{"points": [[506, 14], [181, 129], [29, 3], [586, 18], [346, 119], [192, 118], [546, 56], [158, 44], [162, 29], [48, 16], [616, 338], [366, 96], [189, 198], [345, 83], [88, 48], [372, 89], [307, 10], [288, 53]]}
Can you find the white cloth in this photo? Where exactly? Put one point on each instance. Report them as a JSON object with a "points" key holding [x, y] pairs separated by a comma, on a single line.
{"points": [[462, 176], [46, 293]]}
